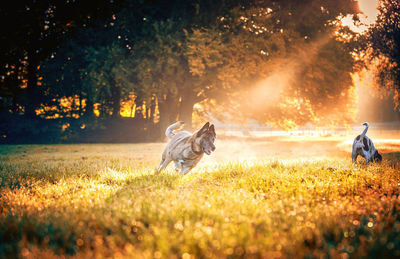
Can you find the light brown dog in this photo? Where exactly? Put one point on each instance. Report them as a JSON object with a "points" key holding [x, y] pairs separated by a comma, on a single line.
{"points": [[187, 149]]}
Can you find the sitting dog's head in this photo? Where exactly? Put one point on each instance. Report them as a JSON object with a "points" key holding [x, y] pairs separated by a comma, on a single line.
{"points": [[204, 138]]}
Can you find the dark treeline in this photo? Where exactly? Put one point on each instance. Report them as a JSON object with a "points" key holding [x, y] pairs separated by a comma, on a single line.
{"points": [[123, 70]]}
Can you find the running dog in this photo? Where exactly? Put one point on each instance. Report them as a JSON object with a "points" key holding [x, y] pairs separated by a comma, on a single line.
{"points": [[187, 149], [364, 147]]}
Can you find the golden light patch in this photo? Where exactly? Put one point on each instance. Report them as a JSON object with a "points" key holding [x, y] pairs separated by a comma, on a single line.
{"points": [[368, 16]]}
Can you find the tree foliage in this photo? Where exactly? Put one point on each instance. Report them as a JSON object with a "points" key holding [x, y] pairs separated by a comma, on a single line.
{"points": [[282, 68], [36, 30], [283, 63], [383, 45]]}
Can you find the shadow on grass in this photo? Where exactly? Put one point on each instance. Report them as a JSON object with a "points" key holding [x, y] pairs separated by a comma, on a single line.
{"points": [[147, 181], [22, 231], [13, 177], [392, 159], [10, 150], [368, 239], [392, 155]]}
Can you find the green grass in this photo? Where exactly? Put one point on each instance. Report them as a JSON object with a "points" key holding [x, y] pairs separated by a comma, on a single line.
{"points": [[107, 201]]}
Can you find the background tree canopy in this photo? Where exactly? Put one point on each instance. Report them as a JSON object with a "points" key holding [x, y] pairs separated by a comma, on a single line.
{"points": [[382, 44], [79, 70]]}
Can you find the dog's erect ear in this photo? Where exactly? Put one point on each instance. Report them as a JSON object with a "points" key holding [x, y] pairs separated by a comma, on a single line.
{"points": [[203, 129], [212, 130]]}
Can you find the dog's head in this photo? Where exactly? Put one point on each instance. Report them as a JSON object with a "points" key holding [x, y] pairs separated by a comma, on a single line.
{"points": [[205, 137], [377, 157]]}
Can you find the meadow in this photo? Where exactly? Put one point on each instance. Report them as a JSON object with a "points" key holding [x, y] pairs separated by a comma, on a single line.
{"points": [[253, 199]]}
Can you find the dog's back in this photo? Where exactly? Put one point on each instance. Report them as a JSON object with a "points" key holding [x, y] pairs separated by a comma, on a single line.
{"points": [[363, 142], [175, 144]]}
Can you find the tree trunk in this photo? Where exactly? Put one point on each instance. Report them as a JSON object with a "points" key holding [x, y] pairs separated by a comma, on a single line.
{"points": [[152, 108], [188, 99], [168, 108], [15, 98], [89, 111], [139, 108], [32, 96], [116, 100], [186, 111], [80, 110]]}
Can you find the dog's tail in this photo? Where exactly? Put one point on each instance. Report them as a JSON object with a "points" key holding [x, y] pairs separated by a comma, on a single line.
{"points": [[170, 130], [365, 130]]}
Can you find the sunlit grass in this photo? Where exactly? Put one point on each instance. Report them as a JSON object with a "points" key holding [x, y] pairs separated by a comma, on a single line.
{"points": [[108, 201]]}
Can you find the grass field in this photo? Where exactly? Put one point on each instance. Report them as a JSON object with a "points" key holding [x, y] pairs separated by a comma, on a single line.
{"points": [[269, 199]]}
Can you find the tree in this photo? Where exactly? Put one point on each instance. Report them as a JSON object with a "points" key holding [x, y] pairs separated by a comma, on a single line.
{"points": [[187, 59], [383, 45], [160, 68], [36, 30], [280, 62], [160, 60], [283, 63], [83, 67], [103, 65]]}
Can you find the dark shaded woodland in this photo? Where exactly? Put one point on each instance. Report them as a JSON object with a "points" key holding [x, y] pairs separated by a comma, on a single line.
{"points": [[123, 70]]}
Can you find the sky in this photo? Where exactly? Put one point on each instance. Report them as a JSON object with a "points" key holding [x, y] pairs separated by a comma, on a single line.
{"points": [[369, 9]]}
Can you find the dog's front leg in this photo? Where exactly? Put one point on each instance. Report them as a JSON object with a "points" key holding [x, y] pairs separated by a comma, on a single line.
{"points": [[354, 156], [367, 159], [163, 164]]}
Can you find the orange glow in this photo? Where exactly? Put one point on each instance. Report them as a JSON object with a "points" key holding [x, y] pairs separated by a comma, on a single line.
{"points": [[67, 104], [96, 110], [269, 90], [371, 97], [368, 16], [278, 95], [128, 107], [144, 110], [65, 126], [24, 84], [369, 8]]}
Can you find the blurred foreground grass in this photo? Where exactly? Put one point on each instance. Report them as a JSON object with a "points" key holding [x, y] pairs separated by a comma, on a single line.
{"points": [[102, 201]]}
